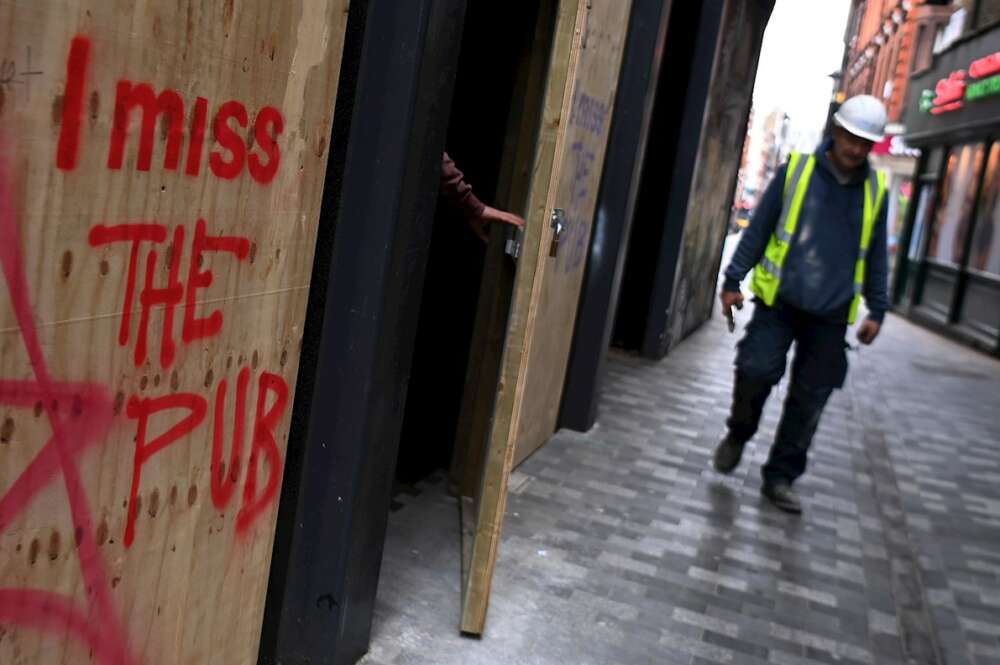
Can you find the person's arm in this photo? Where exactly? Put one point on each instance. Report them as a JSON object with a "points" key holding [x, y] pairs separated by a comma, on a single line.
{"points": [[876, 290], [756, 236], [458, 192]]}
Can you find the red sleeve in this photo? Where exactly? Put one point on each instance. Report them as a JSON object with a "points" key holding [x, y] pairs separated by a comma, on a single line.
{"points": [[457, 191]]}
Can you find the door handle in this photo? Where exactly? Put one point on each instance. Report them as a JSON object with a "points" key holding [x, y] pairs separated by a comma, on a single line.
{"points": [[558, 224]]}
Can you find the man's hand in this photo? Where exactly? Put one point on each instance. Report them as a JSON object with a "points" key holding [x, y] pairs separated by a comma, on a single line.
{"points": [[868, 331], [502, 216], [493, 215], [729, 300]]}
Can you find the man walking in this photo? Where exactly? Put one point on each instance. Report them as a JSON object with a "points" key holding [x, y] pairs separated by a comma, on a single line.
{"points": [[816, 243]]}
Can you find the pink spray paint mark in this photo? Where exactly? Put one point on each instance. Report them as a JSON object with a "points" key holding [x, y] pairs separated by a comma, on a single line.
{"points": [[97, 625]]}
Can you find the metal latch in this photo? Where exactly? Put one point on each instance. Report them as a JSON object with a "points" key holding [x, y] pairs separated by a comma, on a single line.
{"points": [[558, 224], [513, 245]]}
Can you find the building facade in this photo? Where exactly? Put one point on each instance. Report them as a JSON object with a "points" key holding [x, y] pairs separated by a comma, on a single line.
{"points": [[949, 277], [886, 41]]}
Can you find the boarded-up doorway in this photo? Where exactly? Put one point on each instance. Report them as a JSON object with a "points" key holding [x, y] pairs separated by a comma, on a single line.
{"points": [[513, 396], [161, 169]]}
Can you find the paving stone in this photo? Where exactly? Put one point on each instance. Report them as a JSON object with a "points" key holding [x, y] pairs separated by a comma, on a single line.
{"points": [[623, 547]]}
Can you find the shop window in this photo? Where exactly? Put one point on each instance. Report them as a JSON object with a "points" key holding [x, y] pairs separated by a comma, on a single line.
{"points": [[924, 208], [923, 47], [929, 172], [899, 201], [954, 210], [898, 205], [985, 254]]}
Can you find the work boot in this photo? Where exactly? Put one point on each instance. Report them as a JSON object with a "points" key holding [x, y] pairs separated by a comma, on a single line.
{"points": [[728, 455], [782, 496]]}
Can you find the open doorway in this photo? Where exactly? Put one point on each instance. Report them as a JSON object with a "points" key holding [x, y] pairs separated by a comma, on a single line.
{"points": [[661, 204], [493, 124], [558, 95]]}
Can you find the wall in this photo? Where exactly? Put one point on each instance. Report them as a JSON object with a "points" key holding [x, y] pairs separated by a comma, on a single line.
{"points": [[161, 168], [711, 194]]}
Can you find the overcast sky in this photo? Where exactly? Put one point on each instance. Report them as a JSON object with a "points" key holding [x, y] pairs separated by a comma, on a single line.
{"points": [[803, 45]]}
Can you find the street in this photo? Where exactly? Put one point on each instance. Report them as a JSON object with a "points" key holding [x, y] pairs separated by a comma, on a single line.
{"points": [[623, 546]]}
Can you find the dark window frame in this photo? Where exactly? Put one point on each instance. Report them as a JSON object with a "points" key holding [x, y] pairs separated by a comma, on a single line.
{"points": [[993, 144], [933, 179], [960, 269]]}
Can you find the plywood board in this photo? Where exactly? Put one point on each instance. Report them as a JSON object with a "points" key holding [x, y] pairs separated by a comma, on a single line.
{"points": [[497, 282], [492, 494], [558, 295], [161, 165]]}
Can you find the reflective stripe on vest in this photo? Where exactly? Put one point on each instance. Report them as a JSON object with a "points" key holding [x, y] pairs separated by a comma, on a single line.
{"points": [[793, 180], [767, 274], [874, 194]]}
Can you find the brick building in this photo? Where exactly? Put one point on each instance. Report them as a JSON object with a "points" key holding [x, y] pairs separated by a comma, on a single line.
{"points": [[888, 40], [887, 44]]}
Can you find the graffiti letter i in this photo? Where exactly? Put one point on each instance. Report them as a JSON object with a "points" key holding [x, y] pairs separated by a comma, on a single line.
{"points": [[72, 107]]}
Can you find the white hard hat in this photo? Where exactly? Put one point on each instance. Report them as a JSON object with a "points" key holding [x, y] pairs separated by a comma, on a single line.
{"points": [[863, 116]]}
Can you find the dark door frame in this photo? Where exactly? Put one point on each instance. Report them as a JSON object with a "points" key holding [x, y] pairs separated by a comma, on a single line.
{"points": [[391, 118], [661, 309], [674, 136]]}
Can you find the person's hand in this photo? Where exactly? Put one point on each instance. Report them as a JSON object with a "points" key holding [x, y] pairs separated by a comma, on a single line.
{"points": [[491, 215], [868, 331], [729, 300], [502, 216]]}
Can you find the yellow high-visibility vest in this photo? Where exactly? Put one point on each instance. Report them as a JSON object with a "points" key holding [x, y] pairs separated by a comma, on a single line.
{"points": [[767, 273]]}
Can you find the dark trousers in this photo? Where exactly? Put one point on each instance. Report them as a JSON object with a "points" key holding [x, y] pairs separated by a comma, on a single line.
{"points": [[819, 367]]}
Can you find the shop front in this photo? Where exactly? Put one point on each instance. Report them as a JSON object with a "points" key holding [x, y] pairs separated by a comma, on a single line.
{"points": [[949, 277]]}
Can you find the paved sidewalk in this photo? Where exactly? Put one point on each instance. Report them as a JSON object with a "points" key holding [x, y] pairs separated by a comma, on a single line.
{"points": [[622, 546]]}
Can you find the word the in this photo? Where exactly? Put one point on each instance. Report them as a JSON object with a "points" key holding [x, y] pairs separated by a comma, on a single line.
{"points": [[175, 291]]}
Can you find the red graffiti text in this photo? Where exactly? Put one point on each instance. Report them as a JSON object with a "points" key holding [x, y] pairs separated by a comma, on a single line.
{"points": [[189, 411], [260, 156], [176, 292]]}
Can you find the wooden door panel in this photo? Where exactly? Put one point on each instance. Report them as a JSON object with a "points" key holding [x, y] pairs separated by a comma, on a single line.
{"points": [[579, 97], [492, 492], [585, 145]]}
